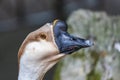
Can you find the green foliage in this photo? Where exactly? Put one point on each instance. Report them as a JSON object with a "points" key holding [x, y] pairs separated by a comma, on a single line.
{"points": [[94, 76], [58, 70]]}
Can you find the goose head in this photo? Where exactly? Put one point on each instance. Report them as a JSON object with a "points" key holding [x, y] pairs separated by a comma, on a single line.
{"points": [[45, 46]]}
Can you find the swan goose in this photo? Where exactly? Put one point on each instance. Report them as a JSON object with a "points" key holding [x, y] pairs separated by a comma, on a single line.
{"points": [[44, 47]]}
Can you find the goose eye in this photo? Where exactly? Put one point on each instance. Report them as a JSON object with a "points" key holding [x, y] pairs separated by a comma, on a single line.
{"points": [[43, 36]]}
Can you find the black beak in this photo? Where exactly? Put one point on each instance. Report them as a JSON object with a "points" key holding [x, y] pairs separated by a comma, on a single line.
{"points": [[67, 43], [83, 43]]}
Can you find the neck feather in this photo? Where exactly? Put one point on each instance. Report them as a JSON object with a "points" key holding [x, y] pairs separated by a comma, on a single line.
{"points": [[34, 71]]}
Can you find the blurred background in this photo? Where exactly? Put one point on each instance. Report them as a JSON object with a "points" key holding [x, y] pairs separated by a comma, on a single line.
{"points": [[19, 17]]}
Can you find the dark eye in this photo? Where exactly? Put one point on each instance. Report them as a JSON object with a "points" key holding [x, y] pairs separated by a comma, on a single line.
{"points": [[43, 36]]}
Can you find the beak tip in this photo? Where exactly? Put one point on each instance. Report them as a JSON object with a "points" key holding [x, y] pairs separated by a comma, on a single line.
{"points": [[89, 43]]}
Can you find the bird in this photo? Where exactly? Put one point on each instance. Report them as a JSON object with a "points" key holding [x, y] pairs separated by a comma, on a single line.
{"points": [[44, 47]]}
